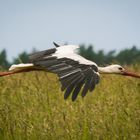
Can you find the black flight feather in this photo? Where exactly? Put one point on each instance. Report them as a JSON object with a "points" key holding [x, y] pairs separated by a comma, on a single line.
{"points": [[57, 68], [86, 87], [88, 74], [35, 56], [68, 72], [92, 84], [65, 81], [72, 85], [47, 64], [68, 91], [56, 45], [63, 69], [77, 90], [47, 58]]}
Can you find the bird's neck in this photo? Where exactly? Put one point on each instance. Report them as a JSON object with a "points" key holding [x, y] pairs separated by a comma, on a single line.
{"points": [[105, 70]]}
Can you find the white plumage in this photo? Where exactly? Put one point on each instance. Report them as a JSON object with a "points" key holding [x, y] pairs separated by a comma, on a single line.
{"points": [[69, 51]]}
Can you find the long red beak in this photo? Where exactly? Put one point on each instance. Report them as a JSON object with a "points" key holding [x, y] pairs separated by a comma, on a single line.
{"points": [[127, 73]]}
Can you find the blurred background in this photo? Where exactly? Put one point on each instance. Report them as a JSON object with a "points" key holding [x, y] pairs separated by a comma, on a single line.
{"points": [[108, 31]]}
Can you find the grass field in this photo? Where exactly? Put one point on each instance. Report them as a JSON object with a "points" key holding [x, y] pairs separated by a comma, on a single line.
{"points": [[32, 108]]}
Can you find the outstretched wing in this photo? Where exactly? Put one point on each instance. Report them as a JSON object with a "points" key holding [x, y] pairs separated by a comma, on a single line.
{"points": [[75, 72]]}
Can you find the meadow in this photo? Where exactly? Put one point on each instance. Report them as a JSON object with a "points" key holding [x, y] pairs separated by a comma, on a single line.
{"points": [[32, 108]]}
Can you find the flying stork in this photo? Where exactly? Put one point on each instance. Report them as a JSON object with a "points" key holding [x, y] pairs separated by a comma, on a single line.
{"points": [[75, 72]]}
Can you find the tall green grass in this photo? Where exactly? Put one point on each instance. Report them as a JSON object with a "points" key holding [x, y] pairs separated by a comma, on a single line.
{"points": [[32, 108]]}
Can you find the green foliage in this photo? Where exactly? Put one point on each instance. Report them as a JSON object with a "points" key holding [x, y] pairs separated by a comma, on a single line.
{"points": [[129, 56], [34, 109], [3, 59], [126, 56], [22, 58]]}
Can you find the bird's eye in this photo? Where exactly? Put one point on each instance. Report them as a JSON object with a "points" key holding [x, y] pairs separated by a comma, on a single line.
{"points": [[120, 68]]}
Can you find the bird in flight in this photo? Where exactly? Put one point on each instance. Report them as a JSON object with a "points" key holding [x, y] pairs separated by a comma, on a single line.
{"points": [[75, 73]]}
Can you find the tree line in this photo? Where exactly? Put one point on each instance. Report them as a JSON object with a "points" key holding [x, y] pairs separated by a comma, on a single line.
{"points": [[125, 56]]}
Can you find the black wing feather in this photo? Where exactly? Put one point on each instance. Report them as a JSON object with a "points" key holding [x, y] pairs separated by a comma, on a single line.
{"points": [[72, 75], [86, 87], [68, 91], [56, 45], [77, 90], [39, 55], [92, 84], [69, 81]]}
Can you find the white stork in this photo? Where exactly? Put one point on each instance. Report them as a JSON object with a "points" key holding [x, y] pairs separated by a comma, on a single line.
{"points": [[75, 72]]}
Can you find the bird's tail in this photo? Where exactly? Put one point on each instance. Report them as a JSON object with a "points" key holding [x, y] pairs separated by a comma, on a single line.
{"points": [[18, 69]]}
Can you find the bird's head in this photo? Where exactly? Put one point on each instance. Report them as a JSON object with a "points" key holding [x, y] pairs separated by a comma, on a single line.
{"points": [[117, 69]]}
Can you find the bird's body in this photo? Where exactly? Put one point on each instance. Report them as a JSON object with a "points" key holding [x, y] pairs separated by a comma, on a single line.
{"points": [[75, 72]]}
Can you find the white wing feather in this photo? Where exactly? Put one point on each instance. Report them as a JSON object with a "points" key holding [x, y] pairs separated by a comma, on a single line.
{"points": [[68, 51]]}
